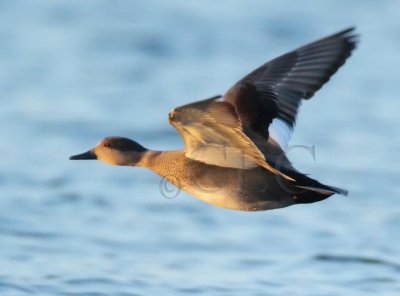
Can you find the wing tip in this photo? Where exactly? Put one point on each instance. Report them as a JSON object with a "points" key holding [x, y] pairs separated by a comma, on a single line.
{"points": [[350, 35]]}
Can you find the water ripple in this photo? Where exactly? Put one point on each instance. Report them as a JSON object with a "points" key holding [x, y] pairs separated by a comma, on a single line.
{"points": [[8, 288], [358, 260]]}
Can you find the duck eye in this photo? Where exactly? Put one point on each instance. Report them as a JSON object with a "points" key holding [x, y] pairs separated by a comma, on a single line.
{"points": [[107, 144]]}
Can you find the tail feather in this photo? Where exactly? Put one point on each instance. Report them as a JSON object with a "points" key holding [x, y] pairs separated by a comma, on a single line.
{"points": [[326, 189], [311, 190]]}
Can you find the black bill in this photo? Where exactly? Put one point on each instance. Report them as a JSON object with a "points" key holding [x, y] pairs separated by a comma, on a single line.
{"points": [[87, 155]]}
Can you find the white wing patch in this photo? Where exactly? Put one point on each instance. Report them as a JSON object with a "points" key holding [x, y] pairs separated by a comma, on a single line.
{"points": [[281, 132]]}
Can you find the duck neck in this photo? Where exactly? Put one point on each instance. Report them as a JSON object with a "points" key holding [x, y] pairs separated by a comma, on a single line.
{"points": [[148, 158], [167, 164]]}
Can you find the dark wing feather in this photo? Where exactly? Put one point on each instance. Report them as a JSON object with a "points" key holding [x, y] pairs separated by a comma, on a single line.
{"points": [[283, 82]]}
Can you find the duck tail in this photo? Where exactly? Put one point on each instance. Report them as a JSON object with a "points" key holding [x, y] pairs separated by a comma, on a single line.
{"points": [[311, 190], [318, 192], [326, 189]]}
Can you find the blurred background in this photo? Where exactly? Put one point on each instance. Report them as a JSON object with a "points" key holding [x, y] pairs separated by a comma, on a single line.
{"points": [[73, 72]]}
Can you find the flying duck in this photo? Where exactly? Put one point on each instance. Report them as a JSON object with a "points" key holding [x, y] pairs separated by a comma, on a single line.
{"points": [[234, 154]]}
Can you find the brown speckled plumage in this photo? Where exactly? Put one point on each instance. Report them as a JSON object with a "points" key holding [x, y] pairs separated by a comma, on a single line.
{"points": [[240, 189]]}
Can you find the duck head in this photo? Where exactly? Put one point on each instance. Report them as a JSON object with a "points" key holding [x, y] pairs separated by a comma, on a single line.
{"points": [[114, 150]]}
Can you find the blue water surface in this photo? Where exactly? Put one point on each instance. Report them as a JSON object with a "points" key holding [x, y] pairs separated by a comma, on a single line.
{"points": [[73, 72]]}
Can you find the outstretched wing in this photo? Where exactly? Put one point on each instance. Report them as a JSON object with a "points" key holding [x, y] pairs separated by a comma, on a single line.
{"points": [[275, 89], [213, 134]]}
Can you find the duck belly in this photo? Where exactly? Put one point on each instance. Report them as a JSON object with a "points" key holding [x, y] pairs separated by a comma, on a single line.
{"points": [[247, 190]]}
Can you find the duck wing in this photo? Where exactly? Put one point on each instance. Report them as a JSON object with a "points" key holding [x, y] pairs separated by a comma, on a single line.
{"points": [[271, 94], [212, 133]]}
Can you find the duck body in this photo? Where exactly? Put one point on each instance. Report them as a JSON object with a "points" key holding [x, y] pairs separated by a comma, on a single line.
{"points": [[234, 154], [238, 189]]}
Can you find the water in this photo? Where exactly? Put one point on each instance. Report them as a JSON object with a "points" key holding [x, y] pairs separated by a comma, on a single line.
{"points": [[72, 72]]}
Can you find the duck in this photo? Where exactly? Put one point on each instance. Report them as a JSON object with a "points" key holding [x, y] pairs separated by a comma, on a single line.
{"points": [[234, 144]]}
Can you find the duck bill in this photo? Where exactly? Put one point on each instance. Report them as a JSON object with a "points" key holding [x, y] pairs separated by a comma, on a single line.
{"points": [[84, 156]]}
